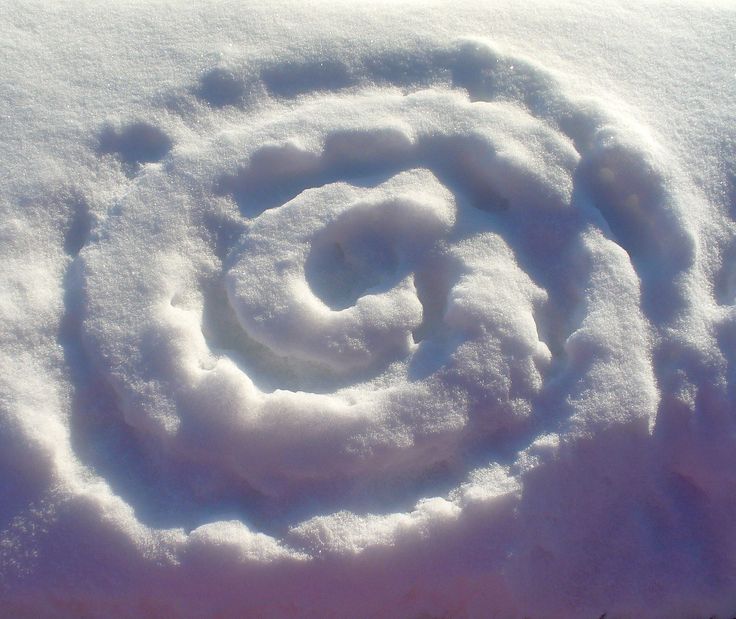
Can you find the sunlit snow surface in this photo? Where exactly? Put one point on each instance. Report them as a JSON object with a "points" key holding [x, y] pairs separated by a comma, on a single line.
{"points": [[335, 312]]}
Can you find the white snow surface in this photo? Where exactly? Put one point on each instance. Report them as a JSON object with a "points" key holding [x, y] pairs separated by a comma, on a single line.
{"points": [[387, 309]]}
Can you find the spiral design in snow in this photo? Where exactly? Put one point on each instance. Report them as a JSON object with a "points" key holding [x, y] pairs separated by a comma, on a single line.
{"points": [[380, 269]]}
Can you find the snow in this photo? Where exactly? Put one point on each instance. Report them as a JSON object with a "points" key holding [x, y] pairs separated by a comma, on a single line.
{"points": [[351, 310]]}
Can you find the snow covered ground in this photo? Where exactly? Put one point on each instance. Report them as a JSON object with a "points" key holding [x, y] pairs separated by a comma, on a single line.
{"points": [[387, 309]]}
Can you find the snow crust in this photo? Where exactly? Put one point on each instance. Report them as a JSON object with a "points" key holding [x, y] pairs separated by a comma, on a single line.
{"points": [[347, 312]]}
